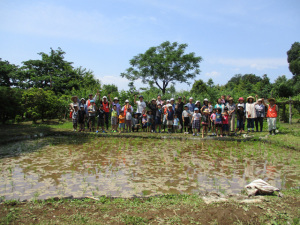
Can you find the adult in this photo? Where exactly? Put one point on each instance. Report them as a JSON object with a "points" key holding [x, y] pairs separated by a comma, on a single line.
{"points": [[116, 103], [241, 101], [272, 115], [231, 111], [172, 102], [159, 101], [191, 105], [220, 104], [126, 107], [260, 114], [82, 104], [92, 109], [75, 101], [141, 105], [179, 109], [165, 109], [153, 106], [88, 102], [205, 105], [250, 113], [106, 108]]}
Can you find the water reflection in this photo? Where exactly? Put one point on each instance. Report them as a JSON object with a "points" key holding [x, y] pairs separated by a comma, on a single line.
{"points": [[127, 167]]}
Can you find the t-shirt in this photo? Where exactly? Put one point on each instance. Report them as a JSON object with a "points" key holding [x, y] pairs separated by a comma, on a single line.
{"points": [[140, 106], [176, 120], [74, 115], [101, 114], [149, 118], [221, 106], [118, 107], [225, 119], [153, 108], [128, 116], [210, 108], [81, 114], [240, 114], [218, 118], [144, 119], [197, 116], [260, 110], [205, 118], [213, 117], [114, 113], [92, 108], [191, 106], [170, 114], [186, 113], [135, 121], [158, 113], [231, 108], [121, 119], [179, 109]]}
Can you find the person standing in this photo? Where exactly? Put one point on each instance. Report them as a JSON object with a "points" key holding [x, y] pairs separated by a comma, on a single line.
{"points": [[141, 105], [153, 107], [231, 112], [272, 115], [220, 105], [106, 108], [179, 109], [250, 113], [260, 114]]}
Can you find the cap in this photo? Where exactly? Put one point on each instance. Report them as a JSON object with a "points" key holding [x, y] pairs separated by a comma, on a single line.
{"points": [[241, 99], [168, 100], [205, 100], [191, 98], [116, 98], [196, 109], [92, 101], [172, 99], [104, 97], [82, 99], [126, 101], [185, 105]]}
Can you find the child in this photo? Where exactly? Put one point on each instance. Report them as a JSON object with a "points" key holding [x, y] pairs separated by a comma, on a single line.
{"points": [[92, 115], [175, 123], [135, 123], [75, 117], [81, 118], [210, 108], [170, 118], [205, 121], [144, 121], [240, 113], [213, 119], [158, 117], [101, 118], [122, 121], [271, 115], [128, 119], [114, 119], [196, 121], [218, 122], [225, 120], [186, 118], [149, 121]]}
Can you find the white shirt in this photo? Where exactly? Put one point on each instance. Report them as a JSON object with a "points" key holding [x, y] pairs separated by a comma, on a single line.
{"points": [[140, 106]]}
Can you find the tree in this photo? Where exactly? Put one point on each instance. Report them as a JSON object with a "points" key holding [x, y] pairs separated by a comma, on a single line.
{"points": [[163, 65], [294, 60], [7, 73], [199, 87]]}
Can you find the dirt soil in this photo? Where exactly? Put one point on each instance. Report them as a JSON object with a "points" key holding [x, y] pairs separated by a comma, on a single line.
{"points": [[168, 209]]}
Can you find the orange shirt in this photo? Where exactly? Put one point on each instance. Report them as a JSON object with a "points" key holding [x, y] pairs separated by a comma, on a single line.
{"points": [[272, 112], [121, 119]]}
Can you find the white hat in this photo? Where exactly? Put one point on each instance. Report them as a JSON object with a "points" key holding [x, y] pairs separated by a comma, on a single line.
{"points": [[104, 97], [172, 99], [126, 101], [116, 98], [196, 102], [169, 105], [191, 98], [205, 100]]}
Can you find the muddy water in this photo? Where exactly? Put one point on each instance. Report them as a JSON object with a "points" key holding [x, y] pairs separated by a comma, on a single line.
{"points": [[126, 167]]}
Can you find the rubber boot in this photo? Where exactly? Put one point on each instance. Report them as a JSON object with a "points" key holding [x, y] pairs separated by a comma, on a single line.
{"points": [[270, 132], [274, 132]]}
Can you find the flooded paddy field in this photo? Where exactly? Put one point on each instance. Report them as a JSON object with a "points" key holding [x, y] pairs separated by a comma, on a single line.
{"points": [[126, 167]]}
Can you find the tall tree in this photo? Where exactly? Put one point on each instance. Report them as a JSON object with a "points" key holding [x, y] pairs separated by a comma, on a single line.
{"points": [[7, 73], [294, 60], [164, 64]]}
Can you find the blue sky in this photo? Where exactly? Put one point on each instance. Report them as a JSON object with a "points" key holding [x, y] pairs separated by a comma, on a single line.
{"points": [[232, 36]]}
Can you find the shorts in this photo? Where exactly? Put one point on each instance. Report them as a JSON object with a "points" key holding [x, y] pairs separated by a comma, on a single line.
{"points": [[186, 121], [100, 122], [169, 122], [158, 121], [219, 125], [144, 125], [204, 124], [92, 119], [74, 122], [149, 124], [196, 124], [114, 120], [121, 125], [225, 127]]}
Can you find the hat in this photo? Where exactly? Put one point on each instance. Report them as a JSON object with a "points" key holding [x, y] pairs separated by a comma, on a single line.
{"points": [[116, 98], [153, 99], [241, 105], [144, 115], [168, 100], [196, 102], [82, 99], [82, 106], [104, 97], [259, 100], [172, 99], [126, 101], [169, 105], [249, 98], [206, 110], [92, 101], [230, 99], [75, 105], [74, 98], [271, 99], [186, 106], [179, 97], [196, 109], [205, 100], [141, 96], [241, 99], [191, 98]]}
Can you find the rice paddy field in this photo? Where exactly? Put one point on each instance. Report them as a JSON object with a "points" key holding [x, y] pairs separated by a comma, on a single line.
{"points": [[133, 179]]}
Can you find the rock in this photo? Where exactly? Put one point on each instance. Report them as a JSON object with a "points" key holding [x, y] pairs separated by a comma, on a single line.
{"points": [[260, 187]]}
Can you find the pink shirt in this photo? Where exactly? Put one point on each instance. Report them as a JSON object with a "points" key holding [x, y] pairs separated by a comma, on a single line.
{"points": [[213, 116]]}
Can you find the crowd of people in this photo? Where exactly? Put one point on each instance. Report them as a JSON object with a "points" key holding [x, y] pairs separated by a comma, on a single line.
{"points": [[173, 116]]}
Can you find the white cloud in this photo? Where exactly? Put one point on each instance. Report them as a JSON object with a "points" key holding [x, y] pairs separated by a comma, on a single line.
{"points": [[212, 74], [120, 82], [254, 63]]}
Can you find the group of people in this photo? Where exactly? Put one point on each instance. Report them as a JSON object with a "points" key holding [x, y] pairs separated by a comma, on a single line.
{"points": [[180, 116]]}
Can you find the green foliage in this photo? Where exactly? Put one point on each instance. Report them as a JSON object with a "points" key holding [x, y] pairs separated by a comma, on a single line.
{"points": [[7, 73], [42, 104], [294, 60], [163, 65]]}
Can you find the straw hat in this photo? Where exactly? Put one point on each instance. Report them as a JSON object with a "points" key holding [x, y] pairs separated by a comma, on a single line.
{"points": [[249, 98], [74, 98], [259, 100], [206, 110], [230, 99]]}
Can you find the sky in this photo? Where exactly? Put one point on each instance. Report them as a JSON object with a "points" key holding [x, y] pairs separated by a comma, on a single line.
{"points": [[232, 36]]}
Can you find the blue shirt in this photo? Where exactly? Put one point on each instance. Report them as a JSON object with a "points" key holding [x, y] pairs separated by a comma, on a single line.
{"points": [[191, 106]]}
